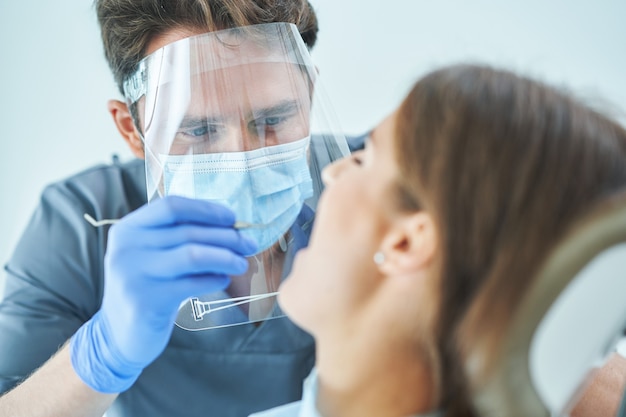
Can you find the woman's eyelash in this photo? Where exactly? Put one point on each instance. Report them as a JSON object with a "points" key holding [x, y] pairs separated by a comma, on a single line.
{"points": [[357, 159]]}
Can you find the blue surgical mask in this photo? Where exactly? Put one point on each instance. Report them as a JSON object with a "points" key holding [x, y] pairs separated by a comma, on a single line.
{"points": [[263, 186]]}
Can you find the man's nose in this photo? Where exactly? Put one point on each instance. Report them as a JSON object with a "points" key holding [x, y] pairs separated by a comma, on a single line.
{"points": [[251, 138], [240, 139]]}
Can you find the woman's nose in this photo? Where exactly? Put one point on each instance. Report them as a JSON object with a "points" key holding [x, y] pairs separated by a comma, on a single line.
{"points": [[331, 172]]}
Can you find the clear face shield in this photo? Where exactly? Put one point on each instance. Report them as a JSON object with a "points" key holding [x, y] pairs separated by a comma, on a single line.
{"points": [[238, 117]]}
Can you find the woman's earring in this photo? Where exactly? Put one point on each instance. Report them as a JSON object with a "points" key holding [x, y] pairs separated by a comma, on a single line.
{"points": [[379, 258]]}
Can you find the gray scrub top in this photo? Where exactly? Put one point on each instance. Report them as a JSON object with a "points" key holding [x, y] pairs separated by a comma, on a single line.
{"points": [[55, 284]]}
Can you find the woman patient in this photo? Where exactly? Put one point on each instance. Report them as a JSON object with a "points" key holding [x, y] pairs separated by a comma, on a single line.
{"points": [[459, 195]]}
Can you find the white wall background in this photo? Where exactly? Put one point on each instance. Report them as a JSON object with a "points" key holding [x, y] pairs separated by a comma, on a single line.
{"points": [[54, 82]]}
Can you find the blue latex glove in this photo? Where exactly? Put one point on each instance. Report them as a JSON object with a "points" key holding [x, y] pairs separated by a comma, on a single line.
{"points": [[157, 257]]}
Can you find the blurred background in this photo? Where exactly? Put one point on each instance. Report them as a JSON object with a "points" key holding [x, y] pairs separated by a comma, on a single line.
{"points": [[54, 81]]}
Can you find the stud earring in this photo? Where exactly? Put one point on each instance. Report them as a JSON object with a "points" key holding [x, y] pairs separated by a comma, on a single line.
{"points": [[379, 258]]}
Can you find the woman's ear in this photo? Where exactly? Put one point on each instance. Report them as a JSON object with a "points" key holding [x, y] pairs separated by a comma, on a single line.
{"points": [[125, 125], [410, 245]]}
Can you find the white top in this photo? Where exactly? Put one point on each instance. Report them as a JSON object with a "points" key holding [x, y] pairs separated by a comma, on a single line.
{"points": [[306, 406]]}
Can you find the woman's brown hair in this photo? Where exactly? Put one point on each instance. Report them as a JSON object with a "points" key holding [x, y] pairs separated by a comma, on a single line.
{"points": [[505, 165]]}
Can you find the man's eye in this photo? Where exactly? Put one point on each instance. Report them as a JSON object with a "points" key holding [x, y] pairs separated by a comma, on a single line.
{"points": [[268, 121], [199, 131], [272, 121]]}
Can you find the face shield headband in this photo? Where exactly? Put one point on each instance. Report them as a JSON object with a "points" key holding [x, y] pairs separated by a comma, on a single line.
{"points": [[239, 117]]}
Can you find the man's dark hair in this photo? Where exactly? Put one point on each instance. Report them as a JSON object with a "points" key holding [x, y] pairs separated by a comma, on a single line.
{"points": [[128, 26]]}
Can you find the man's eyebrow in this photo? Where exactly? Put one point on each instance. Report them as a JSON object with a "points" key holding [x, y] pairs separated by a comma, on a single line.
{"points": [[283, 107], [195, 121]]}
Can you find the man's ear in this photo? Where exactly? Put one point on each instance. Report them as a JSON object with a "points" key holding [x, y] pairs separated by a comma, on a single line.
{"points": [[125, 125], [410, 245]]}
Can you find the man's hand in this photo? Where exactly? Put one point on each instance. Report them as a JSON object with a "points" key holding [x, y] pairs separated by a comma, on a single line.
{"points": [[157, 257]]}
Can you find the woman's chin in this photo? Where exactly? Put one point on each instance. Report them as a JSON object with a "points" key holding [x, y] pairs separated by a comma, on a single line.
{"points": [[298, 260]]}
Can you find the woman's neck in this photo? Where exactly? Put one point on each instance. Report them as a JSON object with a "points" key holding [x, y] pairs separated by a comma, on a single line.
{"points": [[372, 376]]}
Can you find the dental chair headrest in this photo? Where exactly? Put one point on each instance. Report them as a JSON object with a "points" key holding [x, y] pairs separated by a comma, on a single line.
{"points": [[567, 325]]}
